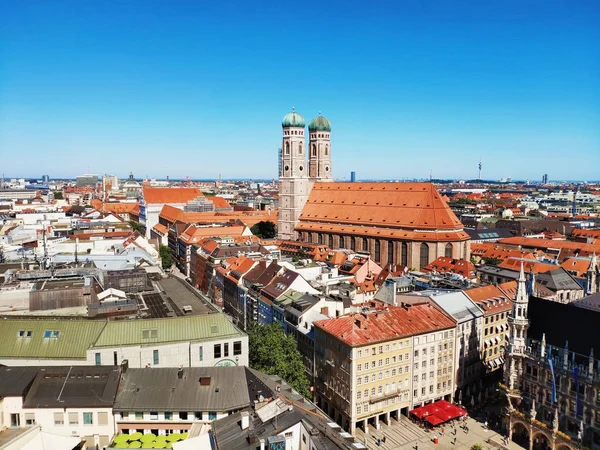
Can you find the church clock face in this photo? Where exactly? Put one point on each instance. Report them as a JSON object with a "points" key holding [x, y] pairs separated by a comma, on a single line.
{"points": [[286, 168]]}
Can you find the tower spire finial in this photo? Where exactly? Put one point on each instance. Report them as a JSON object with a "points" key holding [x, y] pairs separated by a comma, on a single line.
{"points": [[293, 108]]}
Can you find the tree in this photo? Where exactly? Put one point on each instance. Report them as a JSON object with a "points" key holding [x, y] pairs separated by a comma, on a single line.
{"points": [[274, 353], [265, 229], [492, 261], [165, 256], [58, 195], [136, 226], [477, 447]]}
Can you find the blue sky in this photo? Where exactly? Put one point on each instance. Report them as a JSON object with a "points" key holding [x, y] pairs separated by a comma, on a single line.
{"points": [[199, 88]]}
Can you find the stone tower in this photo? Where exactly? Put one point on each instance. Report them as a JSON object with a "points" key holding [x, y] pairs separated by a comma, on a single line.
{"points": [[518, 334], [592, 276], [319, 150], [293, 179]]}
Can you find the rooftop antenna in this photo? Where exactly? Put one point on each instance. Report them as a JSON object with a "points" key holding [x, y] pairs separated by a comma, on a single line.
{"points": [[430, 175], [480, 166]]}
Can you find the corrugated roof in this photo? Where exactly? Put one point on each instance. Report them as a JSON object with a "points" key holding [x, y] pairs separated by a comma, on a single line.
{"points": [[172, 329], [72, 341]]}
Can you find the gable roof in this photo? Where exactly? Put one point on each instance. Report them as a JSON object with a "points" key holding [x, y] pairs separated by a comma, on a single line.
{"points": [[490, 298], [558, 279], [153, 195], [402, 207]]}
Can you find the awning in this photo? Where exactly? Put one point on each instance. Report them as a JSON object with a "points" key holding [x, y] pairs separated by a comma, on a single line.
{"points": [[434, 420]]}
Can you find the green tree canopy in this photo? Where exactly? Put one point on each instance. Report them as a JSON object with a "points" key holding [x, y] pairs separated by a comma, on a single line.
{"points": [[58, 195], [136, 226], [274, 353], [265, 229], [165, 256]]}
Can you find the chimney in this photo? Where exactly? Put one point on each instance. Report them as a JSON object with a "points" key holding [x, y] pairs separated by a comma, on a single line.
{"points": [[245, 420], [180, 372], [124, 365]]}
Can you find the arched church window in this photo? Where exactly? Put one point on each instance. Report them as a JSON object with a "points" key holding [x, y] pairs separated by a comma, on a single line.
{"points": [[287, 148], [300, 147], [320, 239], [353, 243], [365, 242], [404, 254], [326, 150], [390, 257], [448, 251], [331, 241], [424, 256], [314, 150], [342, 243], [377, 251]]}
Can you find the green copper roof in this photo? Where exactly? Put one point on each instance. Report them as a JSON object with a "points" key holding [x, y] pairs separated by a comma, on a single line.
{"points": [[293, 119], [319, 123]]}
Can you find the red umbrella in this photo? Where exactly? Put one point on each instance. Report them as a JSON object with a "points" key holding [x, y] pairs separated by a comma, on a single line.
{"points": [[434, 420]]}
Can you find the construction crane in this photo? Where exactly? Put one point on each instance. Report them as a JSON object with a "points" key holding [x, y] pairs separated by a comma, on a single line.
{"points": [[574, 205]]}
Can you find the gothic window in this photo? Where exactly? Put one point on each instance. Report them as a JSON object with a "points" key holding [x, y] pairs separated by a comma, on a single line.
{"points": [[287, 148], [448, 251], [314, 150], [377, 251], [326, 150], [404, 254], [390, 258], [331, 241], [365, 245], [353, 243], [300, 146], [342, 243], [424, 257], [320, 239]]}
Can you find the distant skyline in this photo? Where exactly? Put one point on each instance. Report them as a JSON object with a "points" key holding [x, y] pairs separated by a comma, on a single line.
{"points": [[196, 88]]}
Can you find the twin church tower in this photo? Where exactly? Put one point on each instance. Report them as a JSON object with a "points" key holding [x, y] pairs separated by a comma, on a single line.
{"points": [[298, 174]]}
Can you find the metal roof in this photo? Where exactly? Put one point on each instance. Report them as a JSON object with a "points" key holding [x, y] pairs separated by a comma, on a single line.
{"points": [[74, 387], [228, 389], [14, 381], [68, 339], [173, 329]]}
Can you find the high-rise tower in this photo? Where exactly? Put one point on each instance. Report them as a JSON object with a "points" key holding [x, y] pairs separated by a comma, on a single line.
{"points": [[293, 180], [519, 324], [319, 150]]}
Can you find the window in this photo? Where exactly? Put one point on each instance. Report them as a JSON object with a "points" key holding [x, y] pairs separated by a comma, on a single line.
{"points": [[353, 243], [73, 418], [59, 418], [21, 333], [390, 252], [331, 241], [88, 418], [153, 415], [365, 245], [155, 357], [359, 395], [102, 418], [359, 381], [198, 415], [377, 251], [287, 148], [217, 350], [183, 415], [212, 415], [448, 251], [379, 390], [201, 353], [342, 243], [404, 254], [424, 256], [139, 416], [168, 415], [47, 334], [28, 334], [358, 409], [360, 353], [372, 392], [98, 359], [314, 150], [226, 349]]}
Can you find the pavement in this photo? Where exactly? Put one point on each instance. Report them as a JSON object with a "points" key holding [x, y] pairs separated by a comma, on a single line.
{"points": [[405, 435]]}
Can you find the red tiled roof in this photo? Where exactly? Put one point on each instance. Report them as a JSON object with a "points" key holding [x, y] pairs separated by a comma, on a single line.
{"points": [[193, 234], [450, 265], [490, 298], [493, 251], [396, 210], [577, 265], [160, 228], [395, 322], [547, 243], [533, 266], [170, 195], [219, 202]]}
